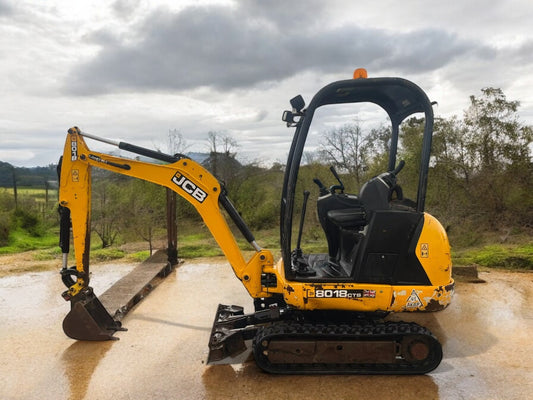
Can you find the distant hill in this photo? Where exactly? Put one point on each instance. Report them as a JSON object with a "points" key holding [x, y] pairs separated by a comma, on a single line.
{"points": [[35, 176], [197, 156]]}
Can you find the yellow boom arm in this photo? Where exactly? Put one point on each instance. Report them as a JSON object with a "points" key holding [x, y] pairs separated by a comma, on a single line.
{"points": [[184, 176]]}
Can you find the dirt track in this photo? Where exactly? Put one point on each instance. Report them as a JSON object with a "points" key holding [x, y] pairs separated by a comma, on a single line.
{"points": [[485, 332]]}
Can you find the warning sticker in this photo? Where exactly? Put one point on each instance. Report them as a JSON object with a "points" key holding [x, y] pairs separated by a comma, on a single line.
{"points": [[424, 250], [413, 301]]}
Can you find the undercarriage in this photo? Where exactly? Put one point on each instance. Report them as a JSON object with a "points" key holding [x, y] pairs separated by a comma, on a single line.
{"points": [[284, 341]]}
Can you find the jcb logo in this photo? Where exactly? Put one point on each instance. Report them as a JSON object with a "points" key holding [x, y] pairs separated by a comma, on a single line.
{"points": [[189, 187]]}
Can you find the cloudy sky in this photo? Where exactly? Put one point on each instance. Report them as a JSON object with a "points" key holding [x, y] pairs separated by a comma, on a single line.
{"points": [[133, 70]]}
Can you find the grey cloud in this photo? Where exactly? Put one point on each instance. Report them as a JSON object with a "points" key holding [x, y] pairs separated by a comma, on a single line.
{"points": [[226, 48], [422, 50], [297, 16], [5, 8], [524, 53], [103, 38], [261, 115], [124, 8]]}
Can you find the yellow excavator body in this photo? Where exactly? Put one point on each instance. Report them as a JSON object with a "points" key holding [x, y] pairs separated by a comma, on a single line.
{"points": [[313, 313]]}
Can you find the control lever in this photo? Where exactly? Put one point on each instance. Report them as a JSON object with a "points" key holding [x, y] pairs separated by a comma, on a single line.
{"points": [[321, 187], [340, 186], [400, 166], [302, 220]]}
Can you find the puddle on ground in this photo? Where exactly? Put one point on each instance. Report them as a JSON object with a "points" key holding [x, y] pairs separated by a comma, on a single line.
{"points": [[487, 351]]}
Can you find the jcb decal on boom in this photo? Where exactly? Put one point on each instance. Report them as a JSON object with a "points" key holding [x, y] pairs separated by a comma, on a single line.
{"points": [[189, 187]]}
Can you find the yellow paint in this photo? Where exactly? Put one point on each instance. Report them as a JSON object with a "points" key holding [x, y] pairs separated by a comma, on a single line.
{"points": [[195, 184], [75, 194], [433, 251], [379, 297]]}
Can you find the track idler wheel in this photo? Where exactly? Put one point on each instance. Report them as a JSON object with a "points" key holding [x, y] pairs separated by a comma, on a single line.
{"points": [[421, 350]]}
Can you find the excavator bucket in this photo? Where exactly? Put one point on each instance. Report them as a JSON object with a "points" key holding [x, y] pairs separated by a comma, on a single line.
{"points": [[89, 320]]}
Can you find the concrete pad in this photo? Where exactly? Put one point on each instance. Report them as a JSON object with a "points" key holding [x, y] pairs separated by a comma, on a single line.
{"points": [[485, 335]]}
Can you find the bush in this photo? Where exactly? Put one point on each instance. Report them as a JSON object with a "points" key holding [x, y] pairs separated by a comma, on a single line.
{"points": [[28, 221], [7, 201]]}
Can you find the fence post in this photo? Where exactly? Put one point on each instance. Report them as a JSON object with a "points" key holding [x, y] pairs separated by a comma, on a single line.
{"points": [[172, 228], [15, 189]]}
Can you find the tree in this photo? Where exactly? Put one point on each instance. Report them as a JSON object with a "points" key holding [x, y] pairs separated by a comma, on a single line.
{"points": [[375, 151], [410, 150], [448, 190], [257, 196], [107, 210], [153, 217], [499, 157], [222, 153], [343, 148], [176, 143], [495, 134], [480, 168], [352, 151], [146, 210]]}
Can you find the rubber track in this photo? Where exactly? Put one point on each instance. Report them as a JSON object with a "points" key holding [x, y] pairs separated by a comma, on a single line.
{"points": [[366, 331]]}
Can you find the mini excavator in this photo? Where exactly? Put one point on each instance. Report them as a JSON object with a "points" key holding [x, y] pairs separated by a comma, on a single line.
{"points": [[313, 313]]}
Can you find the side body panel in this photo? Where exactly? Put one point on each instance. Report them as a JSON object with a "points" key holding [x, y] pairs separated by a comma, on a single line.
{"points": [[432, 251]]}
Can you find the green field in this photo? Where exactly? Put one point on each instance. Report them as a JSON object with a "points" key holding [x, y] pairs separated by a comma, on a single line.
{"points": [[40, 235], [37, 194]]}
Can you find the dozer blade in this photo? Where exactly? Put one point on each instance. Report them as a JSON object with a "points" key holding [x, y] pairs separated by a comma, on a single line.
{"points": [[233, 331], [89, 320], [226, 341]]}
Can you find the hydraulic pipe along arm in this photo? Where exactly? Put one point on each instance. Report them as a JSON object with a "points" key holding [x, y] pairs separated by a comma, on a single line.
{"points": [[223, 199], [184, 176]]}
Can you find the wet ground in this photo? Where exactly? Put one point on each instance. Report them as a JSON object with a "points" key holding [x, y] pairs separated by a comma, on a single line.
{"points": [[485, 334]]}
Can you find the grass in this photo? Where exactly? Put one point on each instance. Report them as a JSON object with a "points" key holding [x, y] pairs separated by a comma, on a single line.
{"points": [[198, 245], [20, 240], [516, 254], [139, 256], [107, 254], [47, 254], [508, 256], [38, 194]]}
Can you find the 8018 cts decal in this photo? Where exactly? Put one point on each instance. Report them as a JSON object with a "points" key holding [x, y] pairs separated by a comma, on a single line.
{"points": [[343, 293], [189, 187]]}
